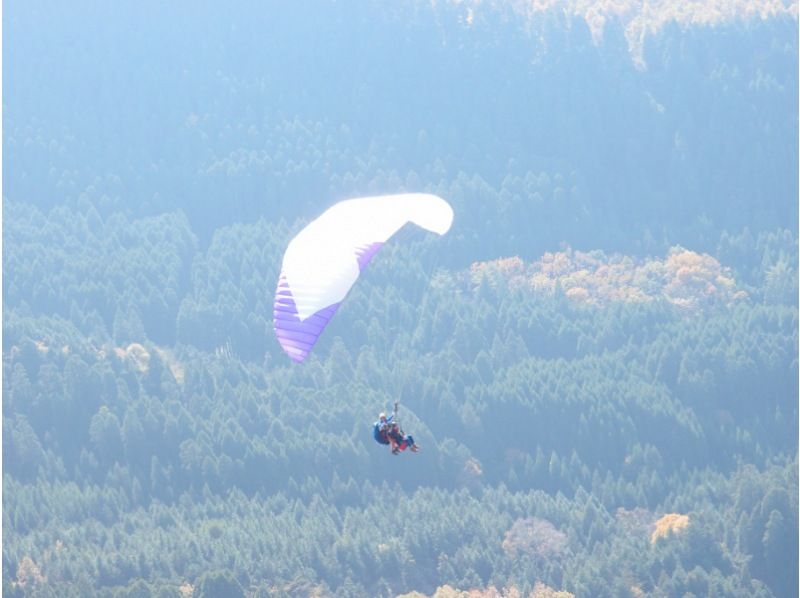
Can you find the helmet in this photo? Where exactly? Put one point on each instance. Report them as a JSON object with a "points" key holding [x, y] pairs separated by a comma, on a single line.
{"points": [[382, 416]]}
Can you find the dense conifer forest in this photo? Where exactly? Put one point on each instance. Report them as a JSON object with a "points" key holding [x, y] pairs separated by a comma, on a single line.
{"points": [[599, 360]]}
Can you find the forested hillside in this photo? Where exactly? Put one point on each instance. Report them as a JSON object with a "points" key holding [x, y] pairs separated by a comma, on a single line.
{"points": [[599, 360]]}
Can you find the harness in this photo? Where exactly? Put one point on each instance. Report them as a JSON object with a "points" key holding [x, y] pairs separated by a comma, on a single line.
{"points": [[376, 429], [376, 433]]}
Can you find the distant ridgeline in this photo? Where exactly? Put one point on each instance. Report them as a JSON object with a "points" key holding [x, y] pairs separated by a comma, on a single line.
{"points": [[638, 19], [582, 120]]}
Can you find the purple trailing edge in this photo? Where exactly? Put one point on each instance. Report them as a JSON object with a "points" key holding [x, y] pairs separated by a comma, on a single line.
{"points": [[365, 254], [296, 336]]}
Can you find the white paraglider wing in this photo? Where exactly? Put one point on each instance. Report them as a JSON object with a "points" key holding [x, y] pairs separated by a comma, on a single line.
{"points": [[324, 260]]}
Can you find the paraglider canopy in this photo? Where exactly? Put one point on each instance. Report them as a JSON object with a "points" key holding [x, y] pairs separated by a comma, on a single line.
{"points": [[324, 260]]}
